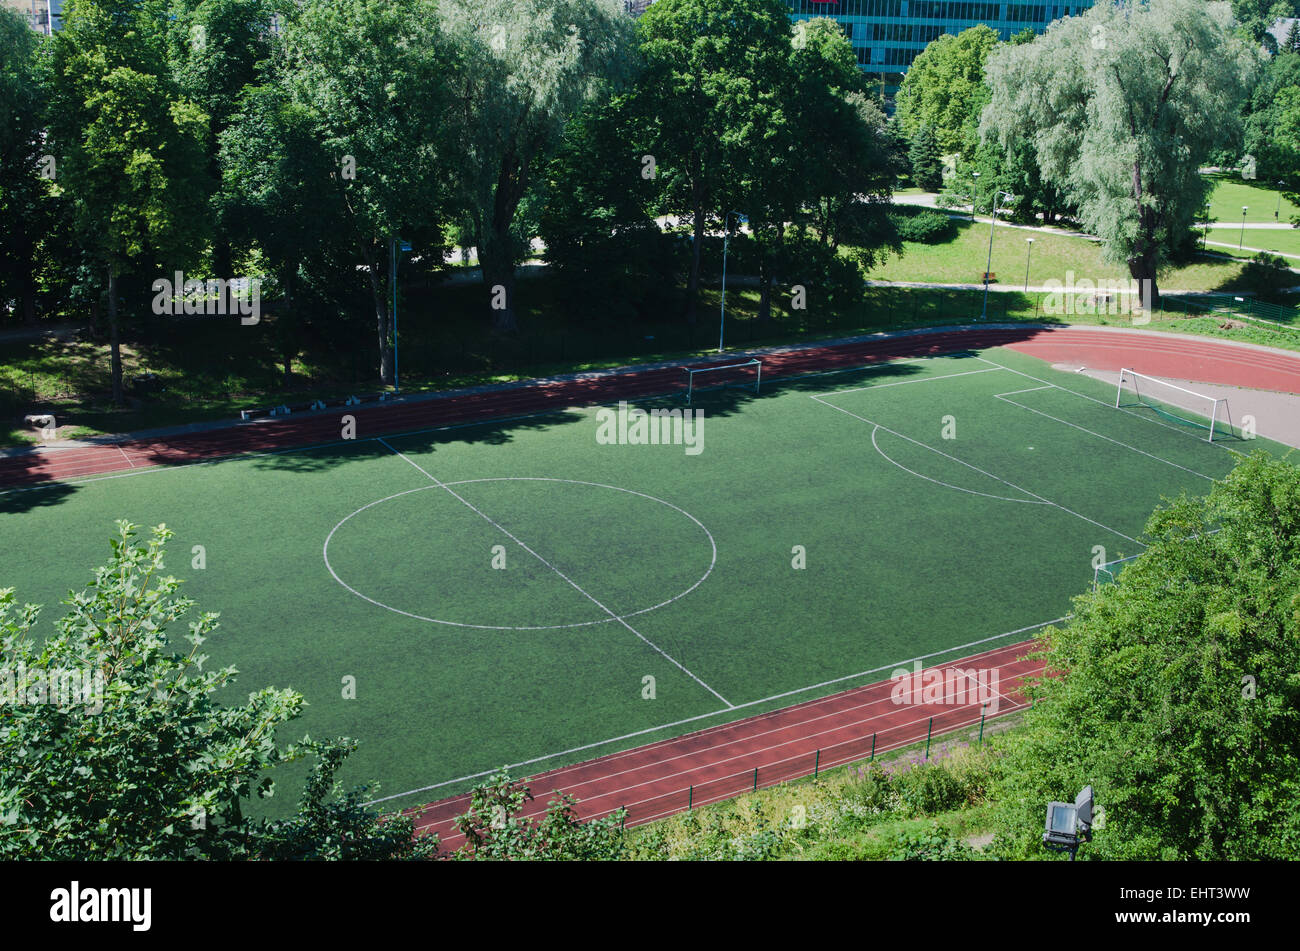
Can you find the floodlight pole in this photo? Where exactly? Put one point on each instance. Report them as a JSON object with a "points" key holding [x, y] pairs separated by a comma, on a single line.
{"points": [[396, 246], [1029, 246], [1242, 240], [726, 234], [984, 312], [1278, 210]]}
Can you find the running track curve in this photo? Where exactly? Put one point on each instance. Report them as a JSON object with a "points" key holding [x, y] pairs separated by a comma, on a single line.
{"points": [[669, 776]]}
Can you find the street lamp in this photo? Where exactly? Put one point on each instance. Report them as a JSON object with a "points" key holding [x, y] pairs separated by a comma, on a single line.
{"points": [[1242, 240], [992, 224], [726, 234], [1278, 210], [397, 247], [1029, 246]]}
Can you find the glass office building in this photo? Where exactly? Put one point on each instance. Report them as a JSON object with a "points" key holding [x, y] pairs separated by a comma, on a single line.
{"points": [[888, 34]]}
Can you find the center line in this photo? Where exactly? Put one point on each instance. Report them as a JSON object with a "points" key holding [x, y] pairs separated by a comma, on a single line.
{"points": [[505, 531]]}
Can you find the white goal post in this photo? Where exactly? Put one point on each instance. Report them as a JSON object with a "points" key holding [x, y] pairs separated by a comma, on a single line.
{"points": [[731, 374], [1176, 403]]}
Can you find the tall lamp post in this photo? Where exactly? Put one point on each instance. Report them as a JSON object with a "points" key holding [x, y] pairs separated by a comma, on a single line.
{"points": [[1278, 210], [1029, 246], [1242, 239], [397, 247], [992, 224], [726, 234]]}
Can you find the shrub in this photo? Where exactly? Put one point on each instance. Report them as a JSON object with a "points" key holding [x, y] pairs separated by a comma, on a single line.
{"points": [[924, 226]]}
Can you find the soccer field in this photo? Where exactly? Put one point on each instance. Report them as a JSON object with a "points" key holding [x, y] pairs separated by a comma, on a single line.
{"points": [[501, 592]]}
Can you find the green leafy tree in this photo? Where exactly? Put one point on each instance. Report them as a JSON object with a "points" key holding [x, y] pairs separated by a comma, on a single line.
{"points": [[373, 76], [114, 746], [130, 148], [24, 196], [217, 48], [944, 85], [1175, 692], [527, 67], [494, 829], [1123, 105], [926, 162], [710, 94], [279, 209], [1272, 123]]}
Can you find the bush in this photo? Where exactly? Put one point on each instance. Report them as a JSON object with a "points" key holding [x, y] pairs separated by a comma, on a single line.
{"points": [[934, 845], [924, 226]]}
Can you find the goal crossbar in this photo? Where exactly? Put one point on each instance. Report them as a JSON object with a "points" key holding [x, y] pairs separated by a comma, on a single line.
{"points": [[1146, 390], [693, 372]]}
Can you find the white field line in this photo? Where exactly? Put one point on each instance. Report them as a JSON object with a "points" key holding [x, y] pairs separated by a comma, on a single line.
{"points": [[704, 716], [750, 737], [1063, 422], [573, 584], [125, 456], [947, 485], [872, 422], [1093, 399], [927, 379], [987, 658]]}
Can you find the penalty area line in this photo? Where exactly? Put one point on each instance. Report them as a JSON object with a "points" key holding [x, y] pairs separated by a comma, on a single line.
{"points": [[573, 584]]}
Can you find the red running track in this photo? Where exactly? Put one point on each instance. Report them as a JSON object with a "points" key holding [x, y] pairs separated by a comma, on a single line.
{"points": [[1168, 355], [1158, 354], [668, 777], [663, 778]]}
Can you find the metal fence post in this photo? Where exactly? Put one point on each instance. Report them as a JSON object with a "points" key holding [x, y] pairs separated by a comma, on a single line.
{"points": [[817, 763], [690, 798], [983, 710], [873, 747], [928, 733], [755, 779]]}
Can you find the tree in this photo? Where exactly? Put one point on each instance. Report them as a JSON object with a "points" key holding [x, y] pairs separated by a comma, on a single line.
{"points": [[277, 208], [526, 68], [944, 85], [493, 828], [114, 746], [1175, 693], [130, 148], [707, 95], [1123, 105], [374, 78], [217, 48], [927, 164], [1272, 124], [24, 196]]}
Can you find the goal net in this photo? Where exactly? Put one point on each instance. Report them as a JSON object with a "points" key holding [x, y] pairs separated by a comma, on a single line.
{"points": [[747, 374], [1177, 404], [1109, 572]]}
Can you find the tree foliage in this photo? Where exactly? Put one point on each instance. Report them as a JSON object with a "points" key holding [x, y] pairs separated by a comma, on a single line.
{"points": [[945, 85], [1123, 105], [113, 744], [1177, 690]]}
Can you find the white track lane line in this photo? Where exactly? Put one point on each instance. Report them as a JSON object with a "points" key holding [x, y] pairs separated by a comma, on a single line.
{"points": [[505, 531], [705, 716]]}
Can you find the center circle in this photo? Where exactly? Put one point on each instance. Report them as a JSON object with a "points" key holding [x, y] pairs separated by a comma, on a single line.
{"points": [[524, 549]]}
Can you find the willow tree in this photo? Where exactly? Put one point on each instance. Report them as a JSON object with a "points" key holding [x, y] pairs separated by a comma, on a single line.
{"points": [[1123, 105], [527, 68]]}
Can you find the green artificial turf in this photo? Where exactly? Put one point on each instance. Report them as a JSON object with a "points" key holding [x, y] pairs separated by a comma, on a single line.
{"points": [[461, 666]]}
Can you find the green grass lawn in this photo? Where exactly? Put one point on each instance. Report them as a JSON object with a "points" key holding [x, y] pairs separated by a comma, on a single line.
{"points": [[374, 560], [1231, 193], [1052, 257], [1283, 241]]}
